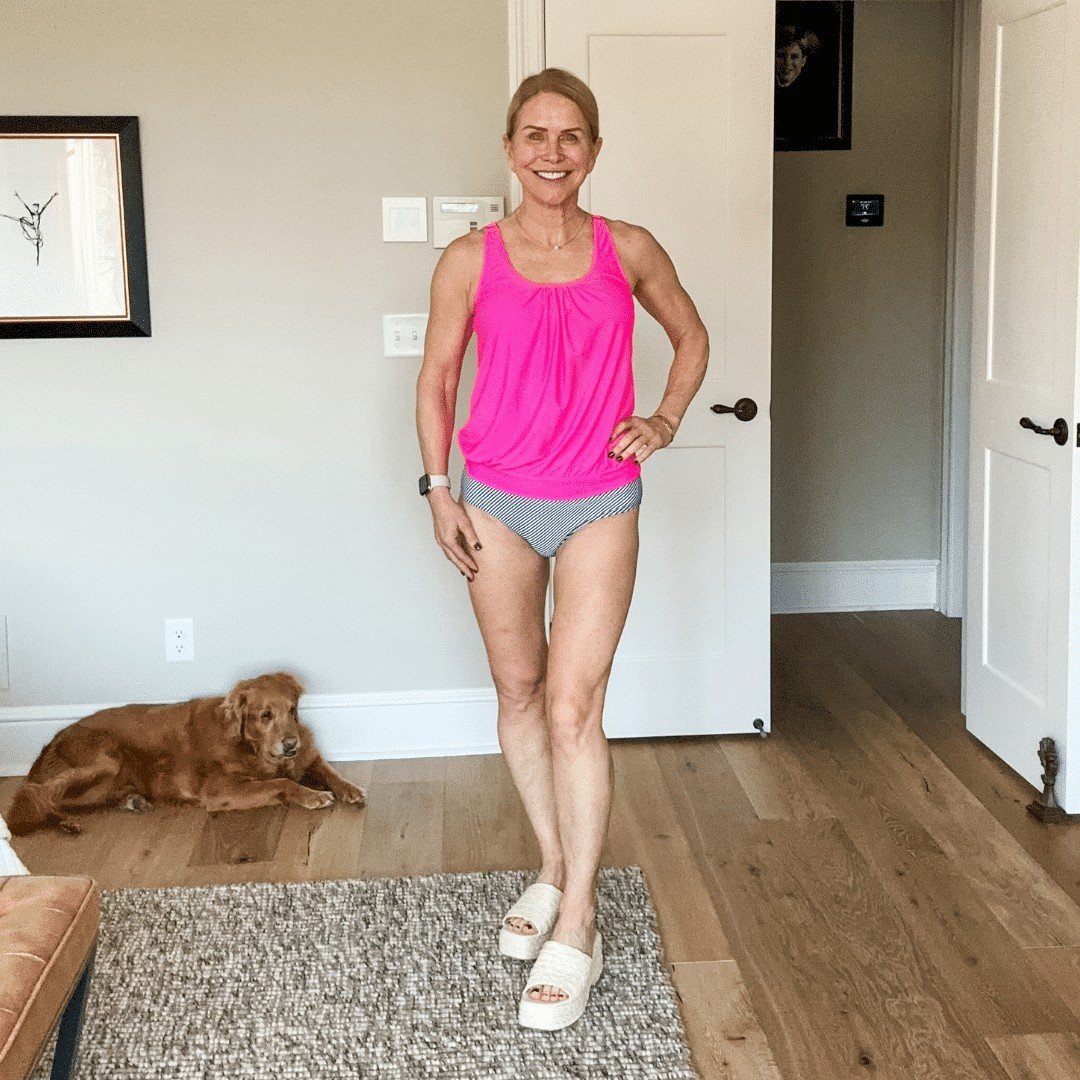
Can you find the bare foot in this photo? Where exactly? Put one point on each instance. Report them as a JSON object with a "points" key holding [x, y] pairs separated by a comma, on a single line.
{"points": [[582, 937], [548, 877]]}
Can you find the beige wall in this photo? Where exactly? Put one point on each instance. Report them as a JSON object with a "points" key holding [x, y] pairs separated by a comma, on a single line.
{"points": [[253, 465], [858, 314]]}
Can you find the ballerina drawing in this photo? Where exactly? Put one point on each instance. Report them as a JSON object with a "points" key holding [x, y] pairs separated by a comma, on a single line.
{"points": [[31, 224]]}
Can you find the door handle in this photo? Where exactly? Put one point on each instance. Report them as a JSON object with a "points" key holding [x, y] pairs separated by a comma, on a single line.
{"points": [[1060, 430], [744, 409]]}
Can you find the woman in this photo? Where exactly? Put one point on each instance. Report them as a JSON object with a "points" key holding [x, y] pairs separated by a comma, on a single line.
{"points": [[553, 457]]}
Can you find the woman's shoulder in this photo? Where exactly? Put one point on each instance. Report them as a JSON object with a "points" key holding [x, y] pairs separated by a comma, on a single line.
{"points": [[631, 245], [464, 259], [626, 232]]}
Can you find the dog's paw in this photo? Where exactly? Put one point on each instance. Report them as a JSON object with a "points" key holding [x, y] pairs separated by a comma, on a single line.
{"points": [[350, 793], [316, 800], [136, 803], [70, 826]]}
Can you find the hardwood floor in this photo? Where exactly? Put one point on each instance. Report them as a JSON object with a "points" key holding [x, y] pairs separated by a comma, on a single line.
{"points": [[862, 892]]}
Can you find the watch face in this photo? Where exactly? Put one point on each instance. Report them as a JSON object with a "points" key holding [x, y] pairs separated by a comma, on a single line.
{"points": [[424, 485]]}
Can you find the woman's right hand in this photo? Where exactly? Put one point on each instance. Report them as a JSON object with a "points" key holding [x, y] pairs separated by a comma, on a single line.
{"points": [[451, 524]]}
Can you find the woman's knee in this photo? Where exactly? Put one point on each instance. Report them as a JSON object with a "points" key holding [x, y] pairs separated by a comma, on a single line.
{"points": [[572, 719], [521, 697]]}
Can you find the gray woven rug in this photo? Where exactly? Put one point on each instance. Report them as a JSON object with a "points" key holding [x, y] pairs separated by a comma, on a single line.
{"points": [[385, 980]]}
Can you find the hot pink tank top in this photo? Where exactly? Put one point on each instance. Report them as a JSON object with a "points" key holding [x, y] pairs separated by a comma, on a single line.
{"points": [[553, 378]]}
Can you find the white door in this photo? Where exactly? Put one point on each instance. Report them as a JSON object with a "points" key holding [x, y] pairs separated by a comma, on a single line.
{"points": [[685, 90], [1023, 551]]}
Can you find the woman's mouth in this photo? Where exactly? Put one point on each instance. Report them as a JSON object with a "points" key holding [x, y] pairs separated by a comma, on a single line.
{"points": [[552, 176]]}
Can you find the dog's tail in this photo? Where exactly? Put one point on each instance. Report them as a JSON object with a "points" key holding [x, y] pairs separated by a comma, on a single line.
{"points": [[32, 808]]}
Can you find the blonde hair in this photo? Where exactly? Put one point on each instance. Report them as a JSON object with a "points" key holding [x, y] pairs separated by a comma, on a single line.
{"points": [[556, 81]]}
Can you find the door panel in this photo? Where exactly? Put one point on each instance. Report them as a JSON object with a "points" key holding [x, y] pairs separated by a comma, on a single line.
{"points": [[685, 91], [1022, 517]]}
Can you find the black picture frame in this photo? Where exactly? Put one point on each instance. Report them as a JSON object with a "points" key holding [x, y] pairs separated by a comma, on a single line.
{"points": [[812, 75], [96, 284]]}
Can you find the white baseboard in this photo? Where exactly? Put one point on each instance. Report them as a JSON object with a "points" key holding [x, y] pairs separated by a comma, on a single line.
{"points": [[443, 723], [347, 727], [884, 585]]}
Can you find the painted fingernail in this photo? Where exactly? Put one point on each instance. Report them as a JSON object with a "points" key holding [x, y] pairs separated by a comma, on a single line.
{"points": [[611, 453], [618, 457], [477, 546]]}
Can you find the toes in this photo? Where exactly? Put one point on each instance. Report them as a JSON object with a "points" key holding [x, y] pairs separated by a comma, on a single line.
{"points": [[547, 994], [521, 926]]}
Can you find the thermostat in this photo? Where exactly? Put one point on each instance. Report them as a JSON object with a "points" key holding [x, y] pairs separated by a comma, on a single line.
{"points": [[455, 215], [865, 210]]}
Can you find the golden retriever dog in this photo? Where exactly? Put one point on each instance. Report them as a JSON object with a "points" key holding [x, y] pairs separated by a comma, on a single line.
{"points": [[244, 750]]}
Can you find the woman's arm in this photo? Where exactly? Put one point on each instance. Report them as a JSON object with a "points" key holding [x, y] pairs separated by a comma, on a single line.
{"points": [[449, 329], [660, 293]]}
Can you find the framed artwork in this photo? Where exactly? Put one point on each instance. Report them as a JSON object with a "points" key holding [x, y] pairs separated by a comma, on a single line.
{"points": [[72, 235], [813, 75]]}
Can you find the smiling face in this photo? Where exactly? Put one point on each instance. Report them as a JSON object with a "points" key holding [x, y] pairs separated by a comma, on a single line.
{"points": [[268, 720], [551, 138], [790, 60]]}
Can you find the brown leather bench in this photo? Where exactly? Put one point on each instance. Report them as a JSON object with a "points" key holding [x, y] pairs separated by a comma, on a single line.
{"points": [[48, 936]]}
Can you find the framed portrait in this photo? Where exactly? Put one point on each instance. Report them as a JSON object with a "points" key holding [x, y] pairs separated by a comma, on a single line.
{"points": [[72, 235], [813, 75]]}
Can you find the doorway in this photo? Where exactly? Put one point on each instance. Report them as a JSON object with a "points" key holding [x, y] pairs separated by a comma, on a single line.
{"points": [[871, 348]]}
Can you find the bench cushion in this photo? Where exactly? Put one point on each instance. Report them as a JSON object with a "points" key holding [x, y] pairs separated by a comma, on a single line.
{"points": [[48, 927]]}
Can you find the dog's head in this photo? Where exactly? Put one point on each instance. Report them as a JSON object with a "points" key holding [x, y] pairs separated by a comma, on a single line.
{"points": [[262, 713]]}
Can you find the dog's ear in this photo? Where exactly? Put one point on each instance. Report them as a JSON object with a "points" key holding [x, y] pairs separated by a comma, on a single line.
{"points": [[291, 683], [233, 707]]}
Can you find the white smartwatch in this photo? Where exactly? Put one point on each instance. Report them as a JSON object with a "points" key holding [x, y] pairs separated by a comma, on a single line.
{"points": [[433, 480]]}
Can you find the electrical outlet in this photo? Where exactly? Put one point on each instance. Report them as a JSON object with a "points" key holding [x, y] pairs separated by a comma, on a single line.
{"points": [[179, 639], [5, 682]]}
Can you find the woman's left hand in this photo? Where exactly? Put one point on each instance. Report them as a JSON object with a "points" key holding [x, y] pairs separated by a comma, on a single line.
{"points": [[639, 436]]}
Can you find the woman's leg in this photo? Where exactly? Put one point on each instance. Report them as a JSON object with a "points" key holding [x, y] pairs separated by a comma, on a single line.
{"points": [[595, 571], [508, 595]]}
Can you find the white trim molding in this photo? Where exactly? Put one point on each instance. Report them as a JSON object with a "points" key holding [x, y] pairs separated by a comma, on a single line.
{"points": [[525, 23], [347, 727], [882, 585]]}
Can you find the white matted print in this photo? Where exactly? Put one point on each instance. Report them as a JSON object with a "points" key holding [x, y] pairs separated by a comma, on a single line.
{"points": [[72, 235], [61, 229]]}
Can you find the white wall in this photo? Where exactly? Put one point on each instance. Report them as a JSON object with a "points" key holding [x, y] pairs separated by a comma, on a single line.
{"points": [[254, 464]]}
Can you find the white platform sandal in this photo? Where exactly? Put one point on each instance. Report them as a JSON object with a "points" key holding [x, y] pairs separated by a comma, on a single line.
{"points": [[539, 905], [573, 972]]}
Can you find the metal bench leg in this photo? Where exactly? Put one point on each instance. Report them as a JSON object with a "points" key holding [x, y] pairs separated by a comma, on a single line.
{"points": [[71, 1021]]}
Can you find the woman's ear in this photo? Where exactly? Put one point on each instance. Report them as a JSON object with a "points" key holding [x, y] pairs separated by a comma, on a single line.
{"points": [[233, 707]]}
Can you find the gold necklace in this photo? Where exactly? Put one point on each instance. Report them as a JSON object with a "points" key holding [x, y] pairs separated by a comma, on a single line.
{"points": [[553, 247]]}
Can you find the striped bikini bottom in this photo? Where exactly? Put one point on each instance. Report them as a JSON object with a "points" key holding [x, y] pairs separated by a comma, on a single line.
{"points": [[546, 523]]}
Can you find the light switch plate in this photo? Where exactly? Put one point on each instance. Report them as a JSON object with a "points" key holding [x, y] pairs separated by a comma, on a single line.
{"points": [[403, 335], [404, 219]]}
